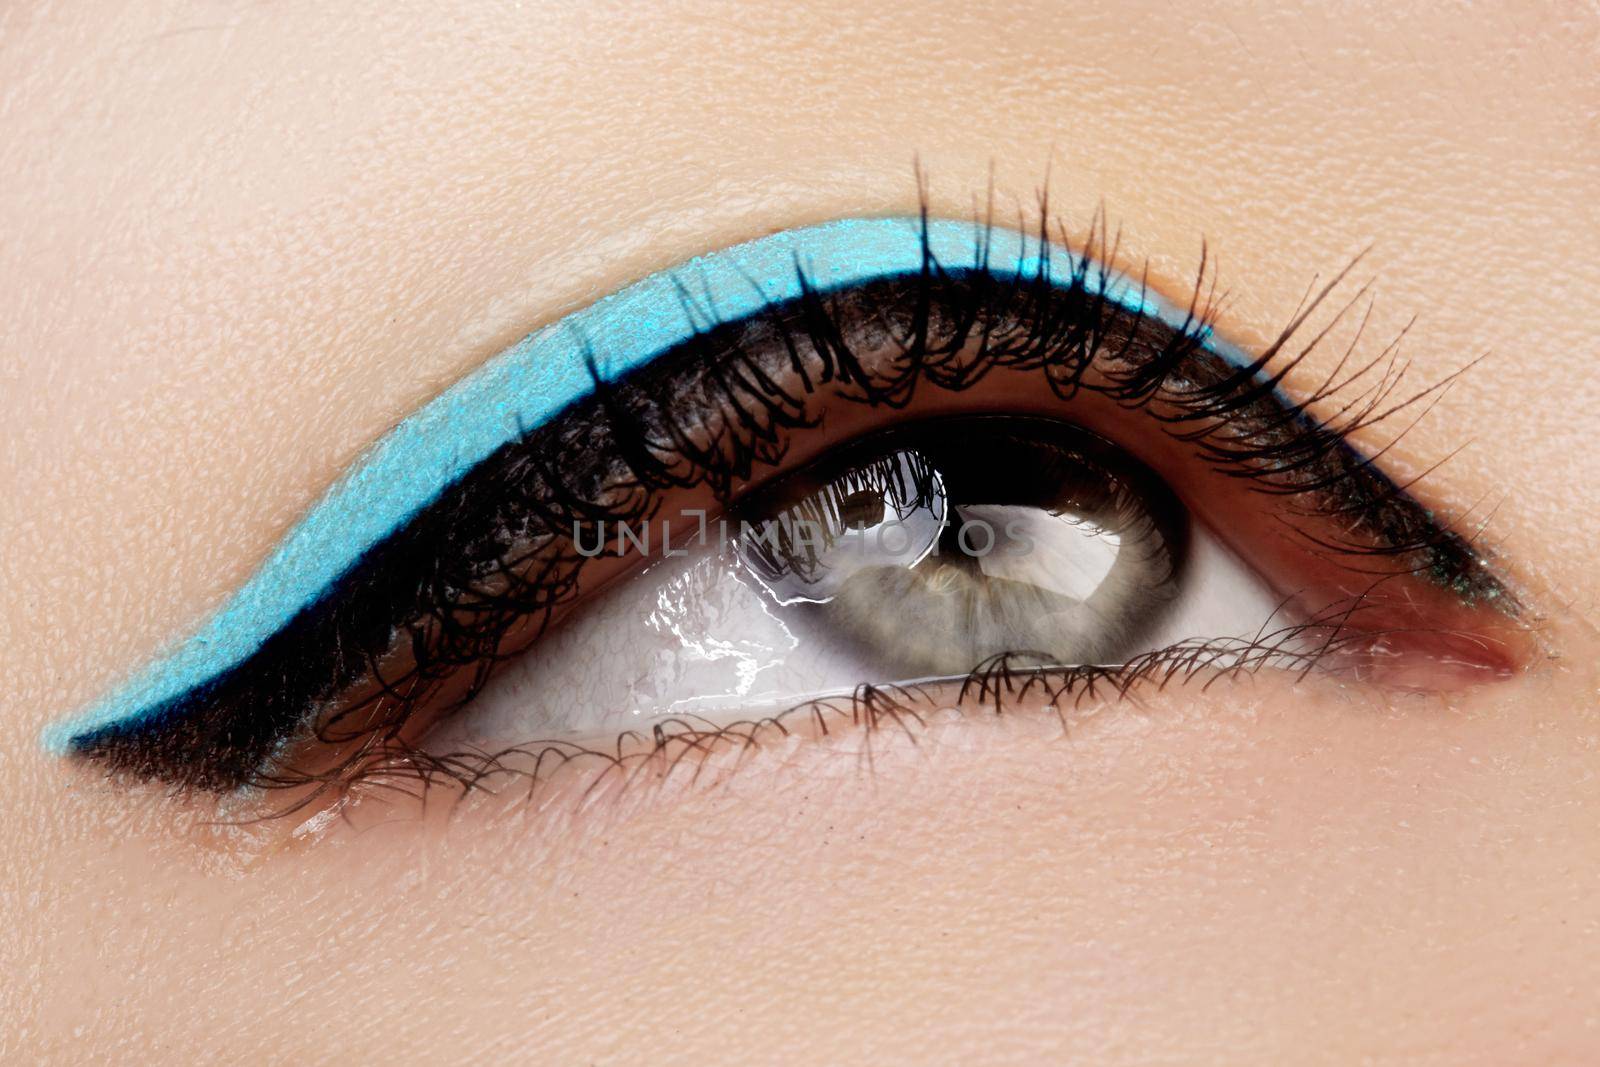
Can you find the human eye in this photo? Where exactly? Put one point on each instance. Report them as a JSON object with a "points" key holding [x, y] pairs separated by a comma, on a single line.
{"points": [[906, 460]]}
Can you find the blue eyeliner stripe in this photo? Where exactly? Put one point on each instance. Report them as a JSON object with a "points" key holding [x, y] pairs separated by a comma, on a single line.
{"points": [[529, 384]]}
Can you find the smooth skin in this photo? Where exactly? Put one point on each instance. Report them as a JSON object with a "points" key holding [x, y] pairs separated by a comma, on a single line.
{"points": [[242, 240]]}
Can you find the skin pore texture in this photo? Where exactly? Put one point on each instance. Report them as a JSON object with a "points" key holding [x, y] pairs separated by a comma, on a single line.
{"points": [[242, 242]]}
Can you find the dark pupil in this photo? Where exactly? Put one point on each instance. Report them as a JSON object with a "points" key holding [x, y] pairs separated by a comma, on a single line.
{"points": [[861, 510]]}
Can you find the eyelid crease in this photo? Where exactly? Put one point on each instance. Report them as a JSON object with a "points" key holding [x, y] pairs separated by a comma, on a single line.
{"points": [[536, 379]]}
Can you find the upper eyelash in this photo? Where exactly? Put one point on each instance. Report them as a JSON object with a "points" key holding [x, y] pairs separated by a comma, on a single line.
{"points": [[1069, 324], [519, 391]]}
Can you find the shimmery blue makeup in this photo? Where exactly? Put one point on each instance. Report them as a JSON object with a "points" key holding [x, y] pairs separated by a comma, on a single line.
{"points": [[534, 381]]}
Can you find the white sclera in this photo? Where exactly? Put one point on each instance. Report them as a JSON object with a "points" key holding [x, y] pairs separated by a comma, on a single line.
{"points": [[699, 636]]}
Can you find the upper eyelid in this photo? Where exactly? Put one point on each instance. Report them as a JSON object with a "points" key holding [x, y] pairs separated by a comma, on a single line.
{"points": [[541, 376]]}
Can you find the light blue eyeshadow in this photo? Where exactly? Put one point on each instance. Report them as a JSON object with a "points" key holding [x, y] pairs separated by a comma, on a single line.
{"points": [[532, 382]]}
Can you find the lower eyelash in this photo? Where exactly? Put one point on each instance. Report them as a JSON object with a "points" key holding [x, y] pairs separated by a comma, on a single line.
{"points": [[429, 586], [1003, 685]]}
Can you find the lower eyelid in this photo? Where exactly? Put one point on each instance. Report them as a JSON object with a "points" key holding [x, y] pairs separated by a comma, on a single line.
{"points": [[871, 731]]}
